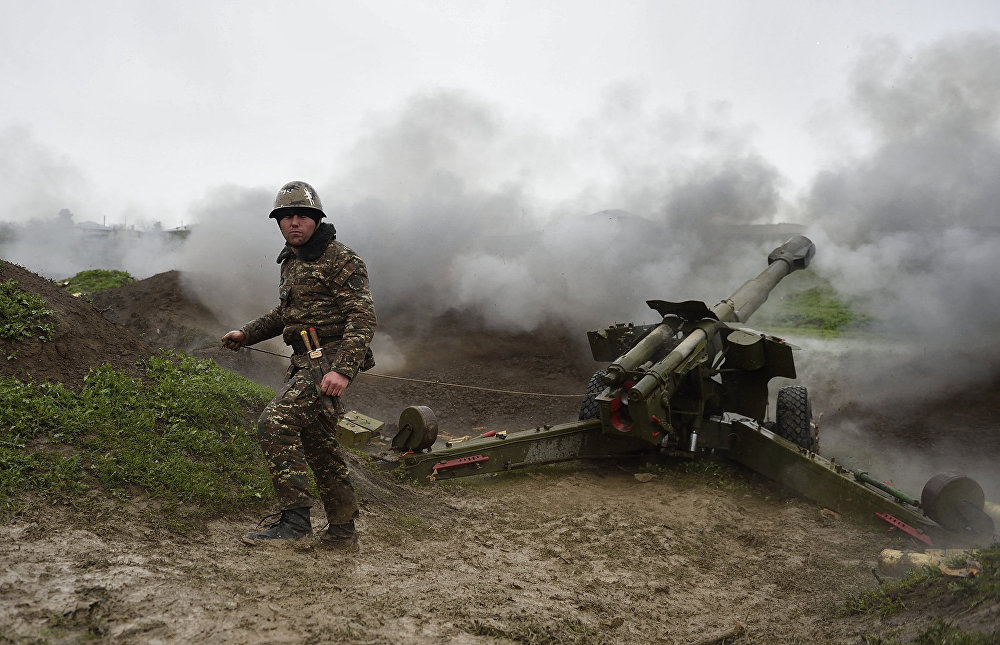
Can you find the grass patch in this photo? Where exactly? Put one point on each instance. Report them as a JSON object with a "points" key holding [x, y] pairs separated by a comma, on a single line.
{"points": [[943, 633], [24, 315], [930, 588], [974, 590], [179, 435], [819, 310], [95, 280], [890, 598], [939, 632], [984, 587]]}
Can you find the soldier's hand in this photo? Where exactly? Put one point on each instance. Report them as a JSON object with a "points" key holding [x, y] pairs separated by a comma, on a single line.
{"points": [[234, 340], [334, 383]]}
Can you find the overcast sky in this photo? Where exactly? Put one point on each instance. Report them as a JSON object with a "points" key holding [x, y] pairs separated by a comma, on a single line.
{"points": [[135, 110]]}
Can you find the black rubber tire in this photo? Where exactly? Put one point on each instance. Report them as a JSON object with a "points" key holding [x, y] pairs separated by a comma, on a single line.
{"points": [[793, 418], [589, 409]]}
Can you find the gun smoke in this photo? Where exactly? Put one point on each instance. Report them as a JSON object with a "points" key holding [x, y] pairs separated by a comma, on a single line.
{"points": [[459, 207], [909, 229]]}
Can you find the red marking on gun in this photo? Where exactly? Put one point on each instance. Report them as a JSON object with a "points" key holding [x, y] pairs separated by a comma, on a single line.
{"points": [[461, 461], [895, 522]]}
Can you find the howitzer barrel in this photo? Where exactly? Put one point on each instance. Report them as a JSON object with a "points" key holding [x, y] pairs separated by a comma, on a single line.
{"points": [[660, 372], [792, 255], [644, 348]]}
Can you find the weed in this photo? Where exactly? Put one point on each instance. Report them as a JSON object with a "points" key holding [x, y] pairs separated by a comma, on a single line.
{"points": [[179, 435], [361, 456], [986, 585], [942, 633], [95, 280], [974, 590], [888, 599], [24, 315]]}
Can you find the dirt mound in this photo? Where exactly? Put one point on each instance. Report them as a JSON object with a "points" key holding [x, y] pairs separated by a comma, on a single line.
{"points": [[83, 338], [159, 310]]}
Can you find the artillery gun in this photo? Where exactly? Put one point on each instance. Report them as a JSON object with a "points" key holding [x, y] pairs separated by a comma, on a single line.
{"points": [[697, 383]]}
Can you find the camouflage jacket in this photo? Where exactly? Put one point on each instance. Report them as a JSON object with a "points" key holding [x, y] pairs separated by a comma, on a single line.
{"points": [[325, 286]]}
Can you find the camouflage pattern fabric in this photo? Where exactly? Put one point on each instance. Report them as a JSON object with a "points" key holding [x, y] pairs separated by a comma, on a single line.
{"points": [[296, 194], [295, 430], [324, 285]]}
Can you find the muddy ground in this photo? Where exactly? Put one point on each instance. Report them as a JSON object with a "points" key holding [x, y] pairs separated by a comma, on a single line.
{"points": [[623, 552]]}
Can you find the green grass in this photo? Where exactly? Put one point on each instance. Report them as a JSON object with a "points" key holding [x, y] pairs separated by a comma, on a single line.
{"points": [[24, 315], [890, 598], [942, 633], [894, 598], [984, 587], [179, 434], [819, 310], [96, 280], [939, 632]]}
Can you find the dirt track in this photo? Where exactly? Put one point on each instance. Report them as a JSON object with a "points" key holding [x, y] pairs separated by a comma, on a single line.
{"points": [[558, 556], [700, 553]]}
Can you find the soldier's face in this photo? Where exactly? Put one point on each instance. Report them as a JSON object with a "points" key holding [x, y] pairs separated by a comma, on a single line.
{"points": [[297, 229]]}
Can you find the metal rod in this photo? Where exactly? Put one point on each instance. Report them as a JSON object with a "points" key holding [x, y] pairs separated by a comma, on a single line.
{"points": [[871, 481]]}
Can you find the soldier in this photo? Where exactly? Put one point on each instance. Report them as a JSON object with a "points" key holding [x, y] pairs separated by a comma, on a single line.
{"points": [[324, 285]]}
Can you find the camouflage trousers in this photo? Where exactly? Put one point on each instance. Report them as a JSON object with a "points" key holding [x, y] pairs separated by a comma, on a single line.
{"points": [[295, 431]]}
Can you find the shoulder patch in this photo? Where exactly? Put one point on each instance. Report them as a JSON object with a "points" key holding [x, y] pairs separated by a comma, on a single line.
{"points": [[356, 282]]}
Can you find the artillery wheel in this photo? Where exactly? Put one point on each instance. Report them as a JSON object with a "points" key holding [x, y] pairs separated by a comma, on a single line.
{"points": [[956, 502], [589, 409], [418, 429], [793, 418]]}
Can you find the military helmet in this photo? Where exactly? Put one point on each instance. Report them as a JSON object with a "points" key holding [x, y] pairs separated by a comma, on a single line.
{"points": [[297, 195]]}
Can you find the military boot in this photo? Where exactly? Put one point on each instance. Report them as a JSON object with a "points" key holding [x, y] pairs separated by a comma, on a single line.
{"points": [[293, 524], [340, 536]]}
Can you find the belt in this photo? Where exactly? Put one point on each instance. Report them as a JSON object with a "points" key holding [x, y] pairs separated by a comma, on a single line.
{"points": [[298, 347]]}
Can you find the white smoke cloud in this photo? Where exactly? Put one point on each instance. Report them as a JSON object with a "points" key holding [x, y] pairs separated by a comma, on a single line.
{"points": [[228, 260], [909, 229], [449, 203], [912, 228]]}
